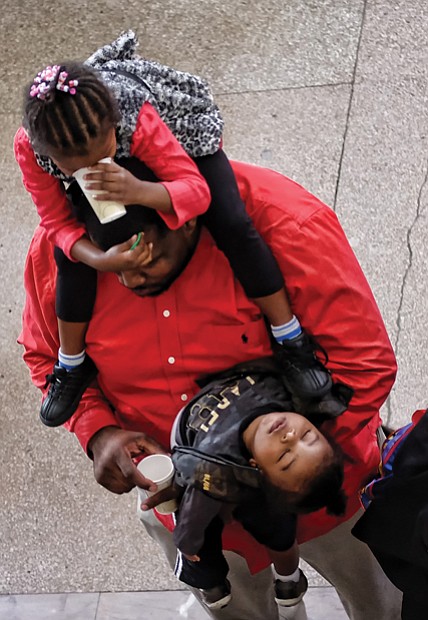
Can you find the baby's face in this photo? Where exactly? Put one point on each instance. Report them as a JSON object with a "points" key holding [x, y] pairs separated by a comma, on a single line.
{"points": [[288, 449]]}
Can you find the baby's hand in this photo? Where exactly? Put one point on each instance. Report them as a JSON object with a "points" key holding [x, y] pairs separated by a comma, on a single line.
{"points": [[192, 558], [113, 183], [131, 254]]}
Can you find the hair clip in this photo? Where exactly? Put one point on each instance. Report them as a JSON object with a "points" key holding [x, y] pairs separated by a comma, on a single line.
{"points": [[44, 82], [66, 88]]}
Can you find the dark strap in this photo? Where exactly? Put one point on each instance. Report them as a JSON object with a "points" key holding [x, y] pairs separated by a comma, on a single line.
{"points": [[130, 75]]}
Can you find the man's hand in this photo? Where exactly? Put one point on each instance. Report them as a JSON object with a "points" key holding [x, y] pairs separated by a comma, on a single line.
{"points": [[113, 450], [125, 256]]}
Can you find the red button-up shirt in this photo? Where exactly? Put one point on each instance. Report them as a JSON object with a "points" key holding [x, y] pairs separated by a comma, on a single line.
{"points": [[150, 350]]}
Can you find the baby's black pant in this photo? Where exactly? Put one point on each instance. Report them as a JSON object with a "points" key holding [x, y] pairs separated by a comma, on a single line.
{"points": [[212, 569], [274, 529], [229, 224]]}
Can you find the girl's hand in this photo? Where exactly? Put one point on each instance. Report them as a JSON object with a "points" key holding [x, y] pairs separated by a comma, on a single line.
{"points": [[112, 182], [124, 257]]}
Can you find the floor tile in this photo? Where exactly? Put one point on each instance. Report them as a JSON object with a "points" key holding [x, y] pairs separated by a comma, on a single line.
{"points": [[149, 605], [53, 607]]}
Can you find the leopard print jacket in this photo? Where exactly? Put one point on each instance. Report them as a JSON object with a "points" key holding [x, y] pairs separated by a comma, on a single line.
{"points": [[183, 101]]}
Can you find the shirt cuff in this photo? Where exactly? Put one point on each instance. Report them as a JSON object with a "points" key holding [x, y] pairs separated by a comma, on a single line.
{"points": [[90, 418]]}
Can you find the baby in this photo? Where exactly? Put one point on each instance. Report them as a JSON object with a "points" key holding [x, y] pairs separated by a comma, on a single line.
{"points": [[240, 452]]}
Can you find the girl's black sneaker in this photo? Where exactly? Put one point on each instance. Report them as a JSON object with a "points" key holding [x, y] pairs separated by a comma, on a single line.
{"points": [[66, 390]]}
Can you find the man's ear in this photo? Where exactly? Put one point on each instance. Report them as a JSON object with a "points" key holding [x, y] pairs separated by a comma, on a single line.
{"points": [[252, 462], [190, 226]]}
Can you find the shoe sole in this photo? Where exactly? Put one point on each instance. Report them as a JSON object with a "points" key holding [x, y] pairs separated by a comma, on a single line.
{"points": [[220, 603], [289, 602]]}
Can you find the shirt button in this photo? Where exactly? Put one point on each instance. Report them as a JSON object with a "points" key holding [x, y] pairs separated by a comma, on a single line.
{"points": [[184, 397], [166, 313], [171, 360]]}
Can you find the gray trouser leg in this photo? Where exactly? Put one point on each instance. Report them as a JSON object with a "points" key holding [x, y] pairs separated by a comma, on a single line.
{"points": [[253, 596], [353, 571]]}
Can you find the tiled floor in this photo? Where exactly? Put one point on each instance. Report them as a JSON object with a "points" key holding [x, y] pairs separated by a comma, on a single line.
{"points": [[321, 603]]}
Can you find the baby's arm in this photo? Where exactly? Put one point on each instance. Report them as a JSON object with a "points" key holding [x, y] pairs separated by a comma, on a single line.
{"points": [[196, 511]]}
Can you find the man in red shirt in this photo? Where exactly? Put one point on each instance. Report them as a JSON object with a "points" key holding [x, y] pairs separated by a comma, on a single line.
{"points": [[154, 331]]}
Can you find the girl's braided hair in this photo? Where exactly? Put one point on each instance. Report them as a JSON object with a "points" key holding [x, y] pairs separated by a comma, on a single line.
{"points": [[67, 118]]}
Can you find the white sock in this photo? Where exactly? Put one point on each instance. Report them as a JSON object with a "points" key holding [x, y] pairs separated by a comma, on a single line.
{"points": [[289, 330], [71, 361], [295, 576]]}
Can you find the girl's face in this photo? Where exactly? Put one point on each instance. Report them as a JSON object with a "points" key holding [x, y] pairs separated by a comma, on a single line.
{"points": [[287, 448], [99, 147]]}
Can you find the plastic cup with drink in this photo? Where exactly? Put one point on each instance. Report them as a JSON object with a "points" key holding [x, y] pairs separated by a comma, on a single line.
{"points": [[160, 469], [106, 210]]}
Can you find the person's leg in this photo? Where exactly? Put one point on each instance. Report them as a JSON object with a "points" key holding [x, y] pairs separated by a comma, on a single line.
{"points": [[76, 287], [414, 608], [236, 236], [353, 571], [277, 532], [257, 270], [75, 297], [253, 595], [209, 572], [211, 569]]}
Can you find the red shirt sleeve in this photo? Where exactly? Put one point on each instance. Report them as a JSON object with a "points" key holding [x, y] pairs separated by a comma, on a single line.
{"points": [[48, 195], [333, 301], [154, 144], [336, 305], [39, 336]]}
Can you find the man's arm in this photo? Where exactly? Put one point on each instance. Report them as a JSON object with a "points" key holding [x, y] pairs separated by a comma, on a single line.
{"points": [[111, 448], [39, 336], [331, 297], [333, 301]]}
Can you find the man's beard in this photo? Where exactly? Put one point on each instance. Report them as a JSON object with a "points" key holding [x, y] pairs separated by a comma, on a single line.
{"points": [[155, 291], [158, 289]]}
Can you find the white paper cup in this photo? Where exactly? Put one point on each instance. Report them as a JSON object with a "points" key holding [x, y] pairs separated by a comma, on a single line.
{"points": [[160, 469], [106, 210]]}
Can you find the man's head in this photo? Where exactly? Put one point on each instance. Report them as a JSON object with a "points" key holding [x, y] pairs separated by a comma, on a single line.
{"points": [[171, 252], [301, 467]]}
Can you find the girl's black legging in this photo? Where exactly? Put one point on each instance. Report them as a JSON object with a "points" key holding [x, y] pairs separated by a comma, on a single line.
{"points": [[234, 232], [76, 287], [229, 224]]}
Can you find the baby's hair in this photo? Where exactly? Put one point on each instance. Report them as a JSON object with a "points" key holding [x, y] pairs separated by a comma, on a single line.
{"points": [[322, 491], [60, 120], [325, 490]]}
